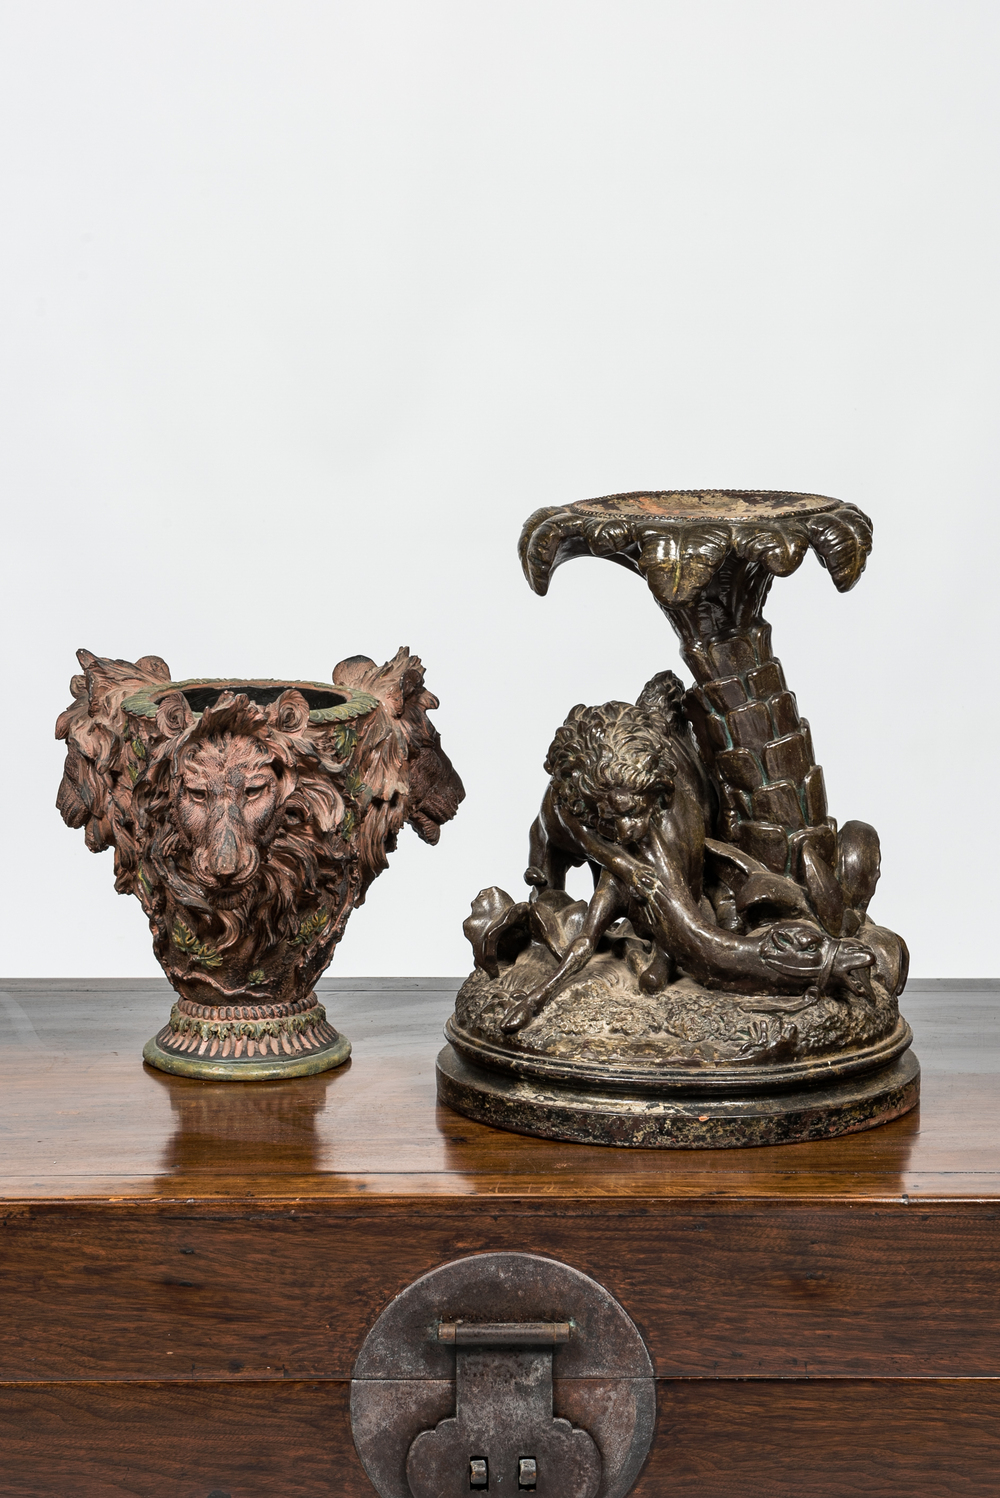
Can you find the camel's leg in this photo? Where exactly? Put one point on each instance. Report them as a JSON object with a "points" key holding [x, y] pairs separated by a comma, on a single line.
{"points": [[658, 972]]}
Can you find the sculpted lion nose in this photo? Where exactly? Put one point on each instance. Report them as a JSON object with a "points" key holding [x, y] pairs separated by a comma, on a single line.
{"points": [[227, 854]]}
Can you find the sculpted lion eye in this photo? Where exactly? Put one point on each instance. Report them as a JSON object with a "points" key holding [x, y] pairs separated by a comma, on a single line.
{"points": [[196, 792], [254, 791]]}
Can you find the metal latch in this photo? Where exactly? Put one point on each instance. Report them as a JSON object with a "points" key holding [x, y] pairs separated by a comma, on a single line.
{"points": [[553, 1395], [503, 1437]]}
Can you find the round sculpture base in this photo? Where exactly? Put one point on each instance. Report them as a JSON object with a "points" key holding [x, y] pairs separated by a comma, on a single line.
{"points": [[245, 1041], [260, 1068], [689, 1120]]}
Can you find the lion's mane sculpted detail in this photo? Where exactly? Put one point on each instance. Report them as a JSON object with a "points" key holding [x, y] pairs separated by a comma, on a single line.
{"points": [[96, 788], [600, 748], [408, 774], [248, 831]]}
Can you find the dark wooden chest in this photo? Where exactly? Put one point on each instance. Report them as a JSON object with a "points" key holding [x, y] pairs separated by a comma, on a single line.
{"points": [[189, 1269]]}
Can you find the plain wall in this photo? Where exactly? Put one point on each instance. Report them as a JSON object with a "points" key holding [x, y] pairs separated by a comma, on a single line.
{"points": [[305, 307]]}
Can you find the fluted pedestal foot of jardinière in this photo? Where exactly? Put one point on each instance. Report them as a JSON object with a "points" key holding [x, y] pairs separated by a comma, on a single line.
{"points": [[249, 818], [247, 1042]]}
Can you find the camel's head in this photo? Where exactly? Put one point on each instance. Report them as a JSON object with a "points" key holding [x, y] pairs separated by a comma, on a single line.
{"points": [[798, 950]]}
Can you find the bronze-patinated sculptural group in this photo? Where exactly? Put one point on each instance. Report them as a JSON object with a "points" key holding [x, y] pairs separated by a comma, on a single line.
{"points": [[723, 984]]}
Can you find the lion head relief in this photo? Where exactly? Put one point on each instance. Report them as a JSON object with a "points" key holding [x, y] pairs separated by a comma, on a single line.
{"points": [[240, 815], [228, 795], [216, 786]]}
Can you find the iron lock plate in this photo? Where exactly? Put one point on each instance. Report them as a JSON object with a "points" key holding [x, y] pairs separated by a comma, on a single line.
{"points": [[503, 1374]]}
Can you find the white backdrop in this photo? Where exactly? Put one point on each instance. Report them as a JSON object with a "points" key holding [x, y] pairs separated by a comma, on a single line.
{"points": [[306, 306]]}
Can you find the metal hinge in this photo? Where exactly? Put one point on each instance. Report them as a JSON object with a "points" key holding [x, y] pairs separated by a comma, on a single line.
{"points": [[447, 1403], [504, 1437]]}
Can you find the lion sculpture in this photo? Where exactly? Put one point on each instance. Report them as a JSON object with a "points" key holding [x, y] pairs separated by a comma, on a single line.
{"points": [[628, 796]]}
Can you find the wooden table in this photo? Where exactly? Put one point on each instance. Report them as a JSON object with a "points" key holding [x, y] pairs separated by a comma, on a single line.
{"points": [[190, 1268]]}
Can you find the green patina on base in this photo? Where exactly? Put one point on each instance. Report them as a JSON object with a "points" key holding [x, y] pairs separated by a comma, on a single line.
{"points": [[245, 1069]]}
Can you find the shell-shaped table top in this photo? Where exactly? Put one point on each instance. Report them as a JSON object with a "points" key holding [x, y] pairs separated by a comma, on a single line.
{"points": [[678, 539]]}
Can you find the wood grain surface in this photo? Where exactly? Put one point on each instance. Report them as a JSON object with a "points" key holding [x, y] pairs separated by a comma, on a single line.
{"points": [[889, 1439], [716, 1291], [189, 1268]]}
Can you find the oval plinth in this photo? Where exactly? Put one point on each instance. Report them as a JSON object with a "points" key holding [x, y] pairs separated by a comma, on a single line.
{"points": [[692, 1121], [663, 1075]]}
